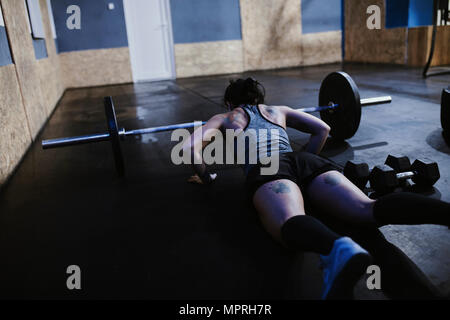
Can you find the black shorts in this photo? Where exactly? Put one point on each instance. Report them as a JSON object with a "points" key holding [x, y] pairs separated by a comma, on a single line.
{"points": [[300, 167]]}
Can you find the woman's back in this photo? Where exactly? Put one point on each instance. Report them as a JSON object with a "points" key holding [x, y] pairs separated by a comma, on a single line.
{"points": [[239, 119], [262, 133]]}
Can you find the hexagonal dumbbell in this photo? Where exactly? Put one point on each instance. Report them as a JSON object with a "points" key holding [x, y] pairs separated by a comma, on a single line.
{"points": [[424, 172], [399, 164], [385, 179], [357, 172]]}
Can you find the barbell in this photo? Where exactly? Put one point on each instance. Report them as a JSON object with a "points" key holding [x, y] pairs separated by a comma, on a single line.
{"points": [[339, 106]]}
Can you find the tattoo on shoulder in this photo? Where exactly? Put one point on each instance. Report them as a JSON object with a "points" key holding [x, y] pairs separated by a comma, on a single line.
{"points": [[229, 120], [332, 180], [272, 111], [280, 187]]}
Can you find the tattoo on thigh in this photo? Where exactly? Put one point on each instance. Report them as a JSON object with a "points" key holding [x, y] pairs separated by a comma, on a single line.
{"points": [[332, 180], [280, 187]]}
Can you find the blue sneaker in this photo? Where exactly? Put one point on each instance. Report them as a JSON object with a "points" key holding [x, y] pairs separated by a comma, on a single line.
{"points": [[342, 268]]}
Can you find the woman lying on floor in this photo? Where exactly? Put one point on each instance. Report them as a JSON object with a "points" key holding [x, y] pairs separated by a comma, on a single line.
{"points": [[306, 177]]}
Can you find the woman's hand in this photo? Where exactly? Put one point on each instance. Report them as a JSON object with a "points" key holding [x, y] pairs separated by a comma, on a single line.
{"points": [[199, 139], [196, 179]]}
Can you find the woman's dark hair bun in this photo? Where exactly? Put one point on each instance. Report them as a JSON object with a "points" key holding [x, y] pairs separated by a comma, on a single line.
{"points": [[250, 82], [240, 91]]}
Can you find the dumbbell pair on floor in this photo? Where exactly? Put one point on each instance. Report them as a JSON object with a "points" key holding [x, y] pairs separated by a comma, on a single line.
{"points": [[394, 173]]}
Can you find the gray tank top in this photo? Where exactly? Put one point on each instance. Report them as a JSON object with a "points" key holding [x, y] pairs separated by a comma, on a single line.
{"points": [[261, 138]]}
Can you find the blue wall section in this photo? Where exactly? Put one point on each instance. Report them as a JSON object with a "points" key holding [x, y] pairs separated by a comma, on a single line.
{"points": [[40, 49], [205, 20], [397, 13], [420, 13], [5, 52], [343, 28], [409, 13], [100, 28], [321, 15]]}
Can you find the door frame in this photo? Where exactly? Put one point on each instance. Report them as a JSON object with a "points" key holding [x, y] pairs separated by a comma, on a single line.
{"points": [[171, 50]]}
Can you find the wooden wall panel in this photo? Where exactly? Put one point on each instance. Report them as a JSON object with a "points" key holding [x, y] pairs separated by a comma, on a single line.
{"points": [[372, 45], [321, 47], [15, 16], [14, 132], [206, 58], [48, 70], [271, 33], [419, 44], [96, 67], [30, 88], [272, 37]]}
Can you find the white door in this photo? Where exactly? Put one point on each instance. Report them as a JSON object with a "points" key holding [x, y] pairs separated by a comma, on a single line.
{"points": [[150, 39]]}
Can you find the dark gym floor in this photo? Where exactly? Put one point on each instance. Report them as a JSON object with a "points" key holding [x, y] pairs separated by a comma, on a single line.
{"points": [[154, 236]]}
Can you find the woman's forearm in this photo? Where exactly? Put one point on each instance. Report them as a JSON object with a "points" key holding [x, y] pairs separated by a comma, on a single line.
{"points": [[316, 142]]}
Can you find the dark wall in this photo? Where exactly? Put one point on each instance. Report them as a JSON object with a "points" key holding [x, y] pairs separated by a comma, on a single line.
{"points": [[101, 28], [5, 52], [420, 13], [321, 15], [205, 20], [409, 13], [397, 13]]}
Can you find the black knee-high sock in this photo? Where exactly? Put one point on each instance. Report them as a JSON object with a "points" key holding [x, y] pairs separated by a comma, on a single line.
{"points": [[411, 208], [306, 233]]}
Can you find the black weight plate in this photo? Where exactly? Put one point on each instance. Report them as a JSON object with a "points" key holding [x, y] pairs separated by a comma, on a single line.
{"points": [[445, 110], [113, 130], [339, 88]]}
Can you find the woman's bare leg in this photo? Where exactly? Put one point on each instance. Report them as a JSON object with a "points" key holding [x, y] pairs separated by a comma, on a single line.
{"points": [[276, 202], [333, 193], [280, 207], [341, 202]]}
